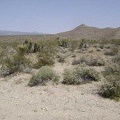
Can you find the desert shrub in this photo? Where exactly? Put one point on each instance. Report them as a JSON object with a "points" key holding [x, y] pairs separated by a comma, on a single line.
{"points": [[73, 55], [81, 74], [16, 62], [100, 62], [92, 61], [20, 61], [83, 49], [111, 70], [115, 41], [44, 75], [116, 59], [113, 51], [31, 47], [111, 85], [75, 62], [69, 78], [88, 61], [101, 46], [61, 57], [73, 45], [63, 43], [96, 45], [98, 49], [46, 56], [109, 53], [82, 43], [7, 67], [27, 69], [107, 46], [111, 88]]}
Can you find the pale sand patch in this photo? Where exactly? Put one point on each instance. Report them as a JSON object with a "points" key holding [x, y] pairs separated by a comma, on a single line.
{"points": [[54, 102]]}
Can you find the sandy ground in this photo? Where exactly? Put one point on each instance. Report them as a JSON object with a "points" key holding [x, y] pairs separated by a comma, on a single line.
{"points": [[53, 102]]}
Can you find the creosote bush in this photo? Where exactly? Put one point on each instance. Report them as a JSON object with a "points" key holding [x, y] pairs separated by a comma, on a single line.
{"points": [[111, 85], [46, 56], [75, 62], [44, 75], [92, 61], [61, 57], [12, 63], [79, 75], [116, 58], [113, 51]]}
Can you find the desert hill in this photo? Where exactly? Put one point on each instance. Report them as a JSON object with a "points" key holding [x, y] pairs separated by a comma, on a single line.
{"points": [[87, 32]]}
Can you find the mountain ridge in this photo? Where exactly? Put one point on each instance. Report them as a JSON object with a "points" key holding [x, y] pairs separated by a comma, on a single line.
{"points": [[9, 33], [80, 32], [88, 32]]}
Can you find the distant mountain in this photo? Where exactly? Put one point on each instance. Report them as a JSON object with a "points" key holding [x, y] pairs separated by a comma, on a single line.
{"points": [[8, 33], [87, 32]]}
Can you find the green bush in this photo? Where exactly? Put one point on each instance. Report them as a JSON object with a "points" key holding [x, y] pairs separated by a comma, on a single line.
{"points": [[113, 51], [44, 75], [16, 62], [81, 74], [46, 56], [111, 86], [73, 45], [81, 43], [75, 62], [63, 43], [92, 61], [111, 69], [116, 59], [61, 57]]}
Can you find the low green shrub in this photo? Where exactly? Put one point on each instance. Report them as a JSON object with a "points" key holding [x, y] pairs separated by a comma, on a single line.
{"points": [[111, 69], [61, 57], [116, 59], [63, 43], [44, 75], [11, 63], [92, 61], [81, 74], [45, 57], [75, 62], [111, 85], [113, 51]]}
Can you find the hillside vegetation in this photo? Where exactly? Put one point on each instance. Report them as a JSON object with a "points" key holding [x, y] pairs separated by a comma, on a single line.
{"points": [[88, 60]]}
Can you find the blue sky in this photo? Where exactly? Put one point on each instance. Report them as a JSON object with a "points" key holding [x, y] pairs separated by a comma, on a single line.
{"points": [[53, 16]]}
